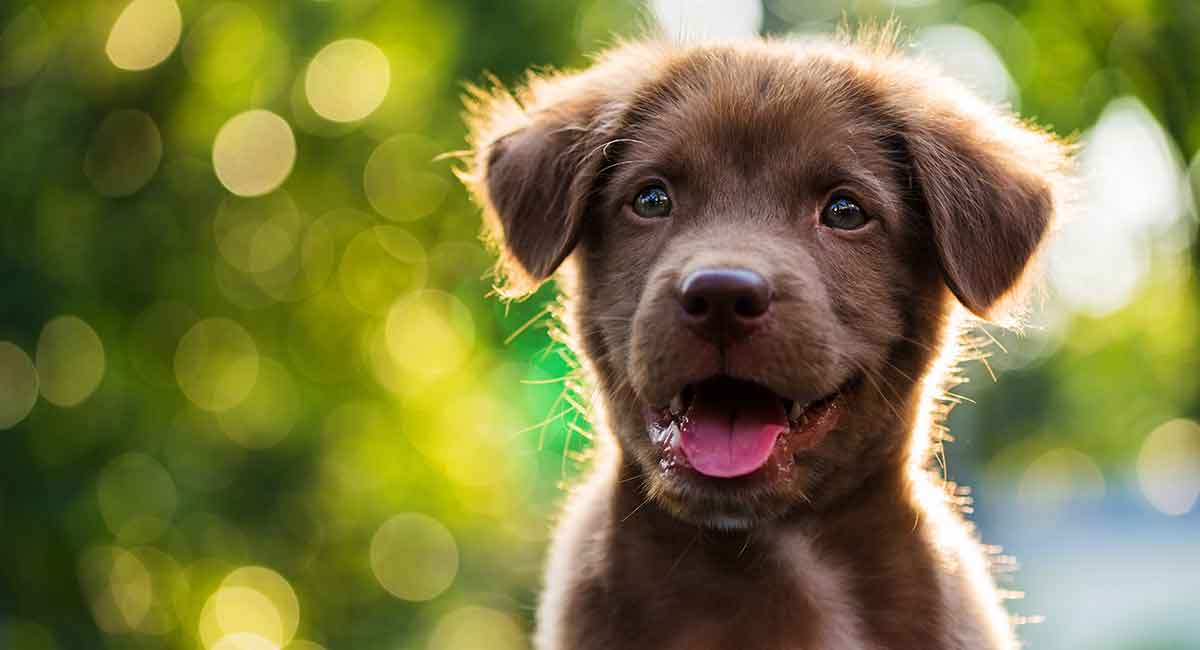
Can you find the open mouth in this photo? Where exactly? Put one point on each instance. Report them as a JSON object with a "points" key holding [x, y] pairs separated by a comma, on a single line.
{"points": [[724, 427]]}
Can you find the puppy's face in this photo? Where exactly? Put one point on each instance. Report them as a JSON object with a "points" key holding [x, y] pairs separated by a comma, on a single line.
{"points": [[748, 267], [764, 243]]}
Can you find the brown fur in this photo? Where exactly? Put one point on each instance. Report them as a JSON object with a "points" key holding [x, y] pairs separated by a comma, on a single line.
{"points": [[858, 545]]}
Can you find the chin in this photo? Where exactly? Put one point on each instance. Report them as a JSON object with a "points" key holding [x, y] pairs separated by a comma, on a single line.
{"points": [[729, 454]]}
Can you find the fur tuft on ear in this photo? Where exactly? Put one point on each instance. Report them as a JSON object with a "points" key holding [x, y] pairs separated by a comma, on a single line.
{"points": [[990, 184], [536, 154]]}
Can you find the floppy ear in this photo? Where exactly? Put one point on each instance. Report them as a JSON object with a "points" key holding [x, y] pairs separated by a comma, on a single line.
{"points": [[534, 187], [990, 186], [536, 156]]}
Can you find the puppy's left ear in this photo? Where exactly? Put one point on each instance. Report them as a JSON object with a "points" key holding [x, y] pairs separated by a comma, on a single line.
{"points": [[536, 157], [990, 185]]}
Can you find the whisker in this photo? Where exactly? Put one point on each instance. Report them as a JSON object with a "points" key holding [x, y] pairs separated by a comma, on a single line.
{"points": [[639, 507]]}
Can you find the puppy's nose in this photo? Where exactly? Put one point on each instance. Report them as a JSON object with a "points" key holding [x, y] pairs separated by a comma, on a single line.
{"points": [[724, 305]]}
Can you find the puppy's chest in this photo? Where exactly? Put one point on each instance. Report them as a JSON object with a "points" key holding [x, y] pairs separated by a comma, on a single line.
{"points": [[769, 598]]}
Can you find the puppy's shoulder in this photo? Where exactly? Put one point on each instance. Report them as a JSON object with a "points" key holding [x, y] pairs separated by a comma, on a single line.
{"points": [[972, 605], [576, 560]]}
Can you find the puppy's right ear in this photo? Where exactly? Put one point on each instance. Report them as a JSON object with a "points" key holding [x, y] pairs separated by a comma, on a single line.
{"points": [[536, 156]]}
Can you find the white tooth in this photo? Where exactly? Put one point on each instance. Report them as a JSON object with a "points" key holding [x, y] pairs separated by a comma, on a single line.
{"points": [[797, 410], [677, 404]]}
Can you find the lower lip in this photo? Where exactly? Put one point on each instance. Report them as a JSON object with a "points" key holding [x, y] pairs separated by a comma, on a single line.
{"points": [[805, 434]]}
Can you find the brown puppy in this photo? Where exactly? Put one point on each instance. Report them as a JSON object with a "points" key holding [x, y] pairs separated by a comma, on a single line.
{"points": [[763, 247]]}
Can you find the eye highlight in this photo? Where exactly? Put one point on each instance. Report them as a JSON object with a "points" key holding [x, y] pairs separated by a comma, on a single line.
{"points": [[652, 202], [843, 214]]}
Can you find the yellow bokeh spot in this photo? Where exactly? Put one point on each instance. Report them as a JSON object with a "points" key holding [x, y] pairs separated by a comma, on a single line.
{"points": [[136, 498], [216, 364], [145, 34], [168, 581], [243, 641], [70, 361], [268, 413], [1168, 467], [399, 178], [477, 628], [254, 152], [257, 234], [118, 586], [480, 451], [379, 265], [18, 385], [414, 557], [430, 334], [252, 601], [245, 609], [124, 153], [347, 80]]}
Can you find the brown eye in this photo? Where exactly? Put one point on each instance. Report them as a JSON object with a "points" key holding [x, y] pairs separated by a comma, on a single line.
{"points": [[843, 214], [652, 203]]}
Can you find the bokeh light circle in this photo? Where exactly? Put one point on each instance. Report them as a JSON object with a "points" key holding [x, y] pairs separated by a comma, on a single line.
{"points": [[70, 361], [347, 80], [1168, 467], [118, 586], [268, 413], [168, 581], [399, 179], [18, 385], [243, 641], [254, 153], [216, 364], [136, 497], [477, 628], [414, 557], [692, 21], [379, 265], [145, 34], [430, 334], [479, 453], [251, 600], [1058, 477], [966, 55], [124, 153], [257, 234]]}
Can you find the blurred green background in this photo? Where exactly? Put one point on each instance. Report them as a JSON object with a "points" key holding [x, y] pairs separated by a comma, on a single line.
{"points": [[254, 395]]}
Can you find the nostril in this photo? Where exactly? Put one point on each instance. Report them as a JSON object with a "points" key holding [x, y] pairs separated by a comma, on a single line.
{"points": [[695, 305], [751, 306]]}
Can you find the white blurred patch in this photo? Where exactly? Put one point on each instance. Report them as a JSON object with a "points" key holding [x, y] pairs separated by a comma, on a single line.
{"points": [[1133, 196], [693, 21], [967, 56], [1058, 478], [1168, 467]]}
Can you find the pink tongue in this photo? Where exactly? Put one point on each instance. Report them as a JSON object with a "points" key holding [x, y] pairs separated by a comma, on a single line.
{"points": [[725, 436]]}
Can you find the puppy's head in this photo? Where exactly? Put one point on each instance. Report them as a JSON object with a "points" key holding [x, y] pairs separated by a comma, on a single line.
{"points": [[766, 241]]}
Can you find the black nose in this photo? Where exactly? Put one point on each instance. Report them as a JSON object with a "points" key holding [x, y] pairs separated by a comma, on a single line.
{"points": [[724, 305]]}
